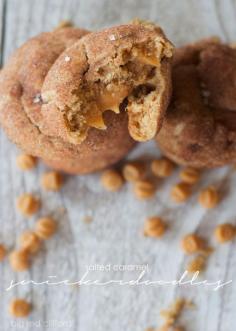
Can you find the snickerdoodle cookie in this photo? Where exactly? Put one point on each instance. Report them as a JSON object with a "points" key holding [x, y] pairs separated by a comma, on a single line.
{"points": [[79, 100], [199, 129]]}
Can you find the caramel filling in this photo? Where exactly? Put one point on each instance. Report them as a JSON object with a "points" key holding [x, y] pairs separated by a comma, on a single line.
{"points": [[132, 82]]}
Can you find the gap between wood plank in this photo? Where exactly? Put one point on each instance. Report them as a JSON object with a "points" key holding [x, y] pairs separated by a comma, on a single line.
{"points": [[2, 29]]}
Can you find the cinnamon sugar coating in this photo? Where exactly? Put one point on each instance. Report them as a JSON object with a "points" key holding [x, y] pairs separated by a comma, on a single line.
{"points": [[75, 98], [199, 129]]}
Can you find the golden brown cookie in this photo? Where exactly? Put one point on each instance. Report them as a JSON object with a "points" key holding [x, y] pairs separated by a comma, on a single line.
{"points": [[122, 68], [73, 101], [199, 129]]}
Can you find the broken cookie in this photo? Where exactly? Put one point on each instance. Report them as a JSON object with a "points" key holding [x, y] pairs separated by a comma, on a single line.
{"points": [[79, 100], [124, 68]]}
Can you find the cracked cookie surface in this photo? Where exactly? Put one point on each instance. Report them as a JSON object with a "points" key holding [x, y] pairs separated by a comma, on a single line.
{"points": [[199, 129]]}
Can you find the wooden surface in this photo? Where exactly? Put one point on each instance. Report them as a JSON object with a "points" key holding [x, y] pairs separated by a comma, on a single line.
{"points": [[114, 236]]}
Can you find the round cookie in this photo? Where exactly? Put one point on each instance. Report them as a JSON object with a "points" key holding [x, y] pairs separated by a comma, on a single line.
{"points": [[50, 100], [199, 129]]}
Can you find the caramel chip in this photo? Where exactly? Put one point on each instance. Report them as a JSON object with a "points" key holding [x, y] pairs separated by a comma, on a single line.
{"points": [[133, 171], [52, 181], [225, 232], [144, 189], [154, 227], [45, 227], [192, 243], [20, 308], [28, 204], [26, 162], [162, 167], [190, 175], [181, 192], [209, 197], [3, 252], [30, 242], [112, 180], [19, 260]]}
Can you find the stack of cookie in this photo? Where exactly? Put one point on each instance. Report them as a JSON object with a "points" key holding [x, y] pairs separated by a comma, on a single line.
{"points": [[80, 100]]}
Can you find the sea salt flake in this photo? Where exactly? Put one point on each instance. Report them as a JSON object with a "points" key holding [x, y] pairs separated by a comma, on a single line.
{"points": [[67, 58], [112, 37], [37, 98]]}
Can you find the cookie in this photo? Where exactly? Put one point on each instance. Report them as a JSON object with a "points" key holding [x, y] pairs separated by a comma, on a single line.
{"points": [[199, 129], [75, 98]]}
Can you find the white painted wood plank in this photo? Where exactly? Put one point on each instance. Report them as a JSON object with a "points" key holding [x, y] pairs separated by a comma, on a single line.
{"points": [[25, 19], [114, 235]]}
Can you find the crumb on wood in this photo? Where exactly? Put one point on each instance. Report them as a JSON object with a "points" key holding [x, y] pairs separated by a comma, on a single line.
{"points": [[197, 264], [87, 219], [172, 314], [64, 24]]}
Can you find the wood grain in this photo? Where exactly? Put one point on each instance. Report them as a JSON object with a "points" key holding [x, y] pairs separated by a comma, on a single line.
{"points": [[114, 236]]}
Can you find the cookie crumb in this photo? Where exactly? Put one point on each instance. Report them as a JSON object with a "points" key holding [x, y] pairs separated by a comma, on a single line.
{"points": [[192, 243], [180, 192], [30, 242], [87, 219], [3, 252], [67, 58], [52, 181], [144, 189], [173, 313], [154, 227], [209, 197], [26, 162], [225, 232], [190, 175], [28, 204], [45, 227], [133, 171], [20, 308], [112, 180], [19, 260], [162, 167], [197, 264]]}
